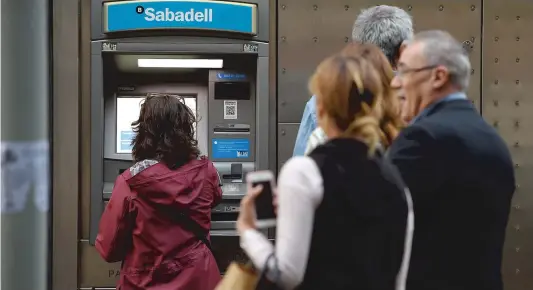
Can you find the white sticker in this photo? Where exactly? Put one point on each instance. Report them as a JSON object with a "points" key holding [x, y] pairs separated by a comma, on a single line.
{"points": [[228, 187], [41, 176], [230, 110], [25, 165]]}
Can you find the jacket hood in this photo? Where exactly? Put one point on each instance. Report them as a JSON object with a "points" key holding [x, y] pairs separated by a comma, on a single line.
{"points": [[162, 186]]}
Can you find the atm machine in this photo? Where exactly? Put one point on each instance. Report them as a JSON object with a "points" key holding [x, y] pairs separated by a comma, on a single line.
{"points": [[214, 54]]}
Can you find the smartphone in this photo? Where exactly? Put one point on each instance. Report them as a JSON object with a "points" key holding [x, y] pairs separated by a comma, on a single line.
{"points": [[266, 215]]}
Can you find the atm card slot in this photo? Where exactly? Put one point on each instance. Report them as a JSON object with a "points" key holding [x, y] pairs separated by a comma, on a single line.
{"points": [[231, 131]]}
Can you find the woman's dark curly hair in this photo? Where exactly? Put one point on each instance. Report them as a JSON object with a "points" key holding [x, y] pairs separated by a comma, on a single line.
{"points": [[165, 131]]}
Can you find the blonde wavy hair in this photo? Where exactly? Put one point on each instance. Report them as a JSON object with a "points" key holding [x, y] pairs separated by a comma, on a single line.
{"points": [[353, 88]]}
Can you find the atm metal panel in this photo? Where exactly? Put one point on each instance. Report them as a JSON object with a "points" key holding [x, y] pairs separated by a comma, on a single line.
{"points": [[286, 138], [178, 45]]}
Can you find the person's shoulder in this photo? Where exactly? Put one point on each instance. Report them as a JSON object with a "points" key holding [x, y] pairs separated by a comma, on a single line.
{"points": [[420, 130], [312, 100], [208, 164], [297, 161], [302, 172], [299, 165]]}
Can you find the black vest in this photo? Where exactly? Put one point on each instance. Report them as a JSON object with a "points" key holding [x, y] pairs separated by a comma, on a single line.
{"points": [[359, 228]]}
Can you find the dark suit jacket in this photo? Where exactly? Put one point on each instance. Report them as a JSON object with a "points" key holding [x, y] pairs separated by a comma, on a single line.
{"points": [[461, 176]]}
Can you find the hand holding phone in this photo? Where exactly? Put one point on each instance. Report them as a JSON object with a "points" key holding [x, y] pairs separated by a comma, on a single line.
{"points": [[264, 202]]}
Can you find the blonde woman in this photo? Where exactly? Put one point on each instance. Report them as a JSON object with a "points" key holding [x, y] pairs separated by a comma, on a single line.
{"points": [[341, 222], [318, 136]]}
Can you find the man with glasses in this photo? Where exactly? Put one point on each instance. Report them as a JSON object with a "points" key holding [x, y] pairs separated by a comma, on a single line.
{"points": [[384, 26], [457, 167]]}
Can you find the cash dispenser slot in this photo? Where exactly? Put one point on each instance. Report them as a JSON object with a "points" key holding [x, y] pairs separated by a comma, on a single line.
{"points": [[223, 218]]}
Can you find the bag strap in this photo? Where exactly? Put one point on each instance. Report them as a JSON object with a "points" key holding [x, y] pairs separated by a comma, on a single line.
{"points": [[187, 222], [195, 228], [390, 169], [270, 275]]}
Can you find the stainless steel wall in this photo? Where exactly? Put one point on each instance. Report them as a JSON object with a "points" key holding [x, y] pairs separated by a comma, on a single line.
{"points": [[507, 104], [494, 31], [308, 31]]}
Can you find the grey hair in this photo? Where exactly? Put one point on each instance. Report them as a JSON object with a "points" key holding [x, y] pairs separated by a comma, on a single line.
{"points": [[384, 26], [441, 48]]}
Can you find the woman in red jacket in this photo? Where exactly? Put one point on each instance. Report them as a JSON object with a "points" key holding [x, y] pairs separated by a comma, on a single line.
{"points": [[158, 219]]}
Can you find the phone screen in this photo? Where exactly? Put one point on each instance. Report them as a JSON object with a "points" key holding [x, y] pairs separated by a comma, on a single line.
{"points": [[263, 203]]}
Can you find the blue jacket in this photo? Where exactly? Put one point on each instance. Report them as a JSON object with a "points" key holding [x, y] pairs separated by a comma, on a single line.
{"points": [[307, 126]]}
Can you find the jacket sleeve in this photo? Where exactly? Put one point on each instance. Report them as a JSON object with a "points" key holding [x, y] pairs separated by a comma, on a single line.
{"points": [[307, 126], [116, 224], [216, 182], [420, 161]]}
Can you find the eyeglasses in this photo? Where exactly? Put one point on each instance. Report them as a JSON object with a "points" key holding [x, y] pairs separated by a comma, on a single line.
{"points": [[402, 72]]}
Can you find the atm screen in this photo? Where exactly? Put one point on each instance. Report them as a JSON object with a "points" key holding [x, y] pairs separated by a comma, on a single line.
{"points": [[128, 109]]}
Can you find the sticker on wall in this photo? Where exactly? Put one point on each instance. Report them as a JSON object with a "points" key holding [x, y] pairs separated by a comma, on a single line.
{"points": [[230, 110], [25, 166]]}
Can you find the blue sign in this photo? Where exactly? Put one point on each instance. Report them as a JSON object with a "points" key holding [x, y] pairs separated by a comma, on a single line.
{"points": [[230, 148], [180, 14], [230, 76]]}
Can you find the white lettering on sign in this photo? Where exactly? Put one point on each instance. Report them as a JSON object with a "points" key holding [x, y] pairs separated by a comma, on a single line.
{"points": [[250, 47], [107, 46], [229, 208], [179, 16]]}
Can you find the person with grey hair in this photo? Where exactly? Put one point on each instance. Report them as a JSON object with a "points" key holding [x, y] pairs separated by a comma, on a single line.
{"points": [[384, 26], [458, 168]]}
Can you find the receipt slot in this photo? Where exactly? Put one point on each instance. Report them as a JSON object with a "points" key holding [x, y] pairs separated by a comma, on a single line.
{"points": [[215, 54]]}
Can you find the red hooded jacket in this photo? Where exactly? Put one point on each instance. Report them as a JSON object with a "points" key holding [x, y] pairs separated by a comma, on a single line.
{"points": [[156, 251]]}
